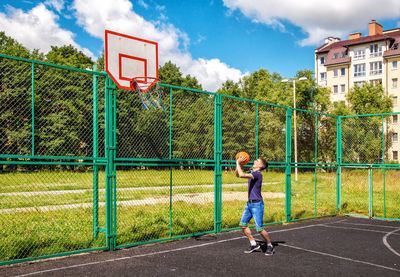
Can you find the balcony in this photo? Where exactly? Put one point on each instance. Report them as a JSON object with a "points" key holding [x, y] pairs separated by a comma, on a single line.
{"points": [[376, 54], [375, 72], [359, 74]]}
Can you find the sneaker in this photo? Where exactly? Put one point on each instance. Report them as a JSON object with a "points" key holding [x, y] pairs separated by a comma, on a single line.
{"points": [[270, 251], [252, 248]]}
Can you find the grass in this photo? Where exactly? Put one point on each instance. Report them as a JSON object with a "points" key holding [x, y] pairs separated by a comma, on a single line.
{"points": [[26, 234]]}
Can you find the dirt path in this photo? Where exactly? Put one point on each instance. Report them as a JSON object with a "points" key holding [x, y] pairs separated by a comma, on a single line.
{"points": [[197, 198]]}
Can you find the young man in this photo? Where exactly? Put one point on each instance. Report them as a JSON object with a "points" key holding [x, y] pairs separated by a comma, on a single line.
{"points": [[255, 204]]}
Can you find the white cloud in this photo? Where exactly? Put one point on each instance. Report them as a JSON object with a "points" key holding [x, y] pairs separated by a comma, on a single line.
{"points": [[58, 5], [317, 18], [118, 15], [143, 4], [37, 29]]}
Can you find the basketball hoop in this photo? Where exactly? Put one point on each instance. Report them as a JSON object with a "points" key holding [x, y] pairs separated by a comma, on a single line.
{"points": [[149, 91]]}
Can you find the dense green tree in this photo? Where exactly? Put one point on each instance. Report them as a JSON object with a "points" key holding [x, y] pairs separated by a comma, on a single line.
{"points": [[69, 56]]}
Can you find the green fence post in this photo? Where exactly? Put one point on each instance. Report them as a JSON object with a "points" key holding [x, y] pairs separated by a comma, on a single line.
{"points": [[170, 157], [383, 162], [95, 156], [114, 154], [338, 164], [33, 109], [288, 170], [316, 162], [257, 131], [109, 153], [371, 191], [217, 161]]}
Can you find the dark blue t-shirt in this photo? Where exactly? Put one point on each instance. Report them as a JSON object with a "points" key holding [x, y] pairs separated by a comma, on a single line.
{"points": [[254, 188]]}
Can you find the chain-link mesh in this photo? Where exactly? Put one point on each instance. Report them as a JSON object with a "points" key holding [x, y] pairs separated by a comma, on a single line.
{"points": [[192, 125], [47, 207], [272, 133], [15, 107], [238, 128], [163, 202], [355, 187], [141, 133], [47, 211], [362, 140]]}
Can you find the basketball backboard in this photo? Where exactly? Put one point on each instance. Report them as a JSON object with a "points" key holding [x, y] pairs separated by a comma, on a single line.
{"points": [[127, 57]]}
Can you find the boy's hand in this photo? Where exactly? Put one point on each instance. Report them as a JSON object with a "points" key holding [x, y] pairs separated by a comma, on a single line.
{"points": [[240, 160]]}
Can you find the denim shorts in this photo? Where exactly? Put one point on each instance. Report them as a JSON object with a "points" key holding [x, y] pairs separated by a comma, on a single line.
{"points": [[256, 211]]}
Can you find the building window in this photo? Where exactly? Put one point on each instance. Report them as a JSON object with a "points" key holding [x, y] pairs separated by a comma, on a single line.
{"points": [[322, 60], [342, 71], [335, 72], [394, 83], [376, 82], [375, 68], [395, 137], [359, 84], [394, 64], [395, 46], [394, 119], [375, 50], [395, 155], [344, 53], [394, 99], [334, 57], [359, 54], [323, 76], [335, 89], [342, 88], [359, 70]]}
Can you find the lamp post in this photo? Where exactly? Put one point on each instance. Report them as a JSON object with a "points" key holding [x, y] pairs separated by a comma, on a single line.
{"points": [[295, 121]]}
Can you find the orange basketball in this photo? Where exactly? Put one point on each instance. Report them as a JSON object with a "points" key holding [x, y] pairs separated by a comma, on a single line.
{"points": [[243, 154]]}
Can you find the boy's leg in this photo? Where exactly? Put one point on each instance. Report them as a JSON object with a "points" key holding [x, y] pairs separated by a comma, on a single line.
{"points": [[258, 218], [247, 232], [265, 235]]}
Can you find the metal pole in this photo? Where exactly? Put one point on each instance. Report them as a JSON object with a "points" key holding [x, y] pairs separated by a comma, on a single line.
{"points": [[288, 168], [295, 129], [95, 156], [33, 109], [217, 159]]}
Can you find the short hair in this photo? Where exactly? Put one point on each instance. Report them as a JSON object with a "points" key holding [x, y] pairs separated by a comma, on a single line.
{"points": [[265, 163]]}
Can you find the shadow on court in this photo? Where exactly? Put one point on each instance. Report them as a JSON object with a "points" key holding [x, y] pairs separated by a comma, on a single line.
{"points": [[338, 246]]}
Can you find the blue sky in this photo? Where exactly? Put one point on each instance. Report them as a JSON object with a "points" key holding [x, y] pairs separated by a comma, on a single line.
{"points": [[213, 40]]}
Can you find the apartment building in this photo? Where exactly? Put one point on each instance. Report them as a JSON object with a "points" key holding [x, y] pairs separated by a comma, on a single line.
{"points": [[342, 64]]}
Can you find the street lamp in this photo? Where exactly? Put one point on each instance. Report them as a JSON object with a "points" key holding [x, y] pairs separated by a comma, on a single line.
{"points": [[294, 120]]}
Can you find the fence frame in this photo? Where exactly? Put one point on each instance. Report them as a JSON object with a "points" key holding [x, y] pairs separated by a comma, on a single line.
{"points": [[110, 161]]}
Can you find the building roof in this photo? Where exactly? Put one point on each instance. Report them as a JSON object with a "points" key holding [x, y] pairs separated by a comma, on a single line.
{"points": [[394, 49], [345, 43], [336, 56]]}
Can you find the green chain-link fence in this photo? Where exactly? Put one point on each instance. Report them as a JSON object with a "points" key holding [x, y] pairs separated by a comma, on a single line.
{"points": [[85, 167]]}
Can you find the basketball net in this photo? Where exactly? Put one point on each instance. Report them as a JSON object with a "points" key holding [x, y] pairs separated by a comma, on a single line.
{"points": [[149, 90]]}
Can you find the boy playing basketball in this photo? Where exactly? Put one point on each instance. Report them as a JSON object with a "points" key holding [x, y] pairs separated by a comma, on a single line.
{"points": [[255, 205]]}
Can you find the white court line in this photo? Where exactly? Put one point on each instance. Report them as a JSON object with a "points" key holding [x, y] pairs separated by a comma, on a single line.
{"points": [[358, 229], [375, 231], [339, 257], [363, 224], [151, 254], [387, 244]]}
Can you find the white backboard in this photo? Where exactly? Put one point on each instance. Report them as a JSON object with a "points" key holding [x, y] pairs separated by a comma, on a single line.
{"points": [[127, 57]]}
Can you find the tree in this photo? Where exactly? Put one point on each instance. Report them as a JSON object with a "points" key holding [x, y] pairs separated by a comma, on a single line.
{"points": [[369, 99], [15, 98], [69, 56]]}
